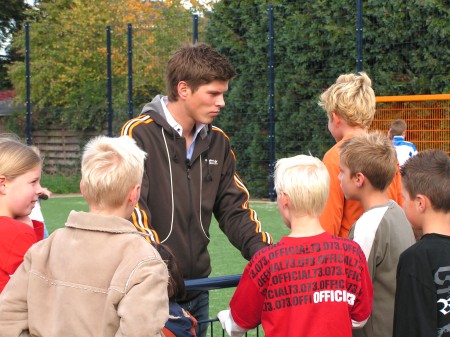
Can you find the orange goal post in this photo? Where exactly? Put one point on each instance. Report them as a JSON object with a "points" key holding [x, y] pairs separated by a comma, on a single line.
{"points": [[427, 117]]}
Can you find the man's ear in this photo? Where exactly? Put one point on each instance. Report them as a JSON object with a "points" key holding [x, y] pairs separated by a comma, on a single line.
{"points": [[183, 89]]}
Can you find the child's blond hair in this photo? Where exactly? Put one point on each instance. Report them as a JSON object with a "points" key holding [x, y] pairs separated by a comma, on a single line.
{"points": [[351, 98], [373, 155], [305, 180], [110, 168], [16, 158]]}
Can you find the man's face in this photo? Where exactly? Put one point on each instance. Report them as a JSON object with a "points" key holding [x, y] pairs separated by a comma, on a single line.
{"points": [[205, 103]]}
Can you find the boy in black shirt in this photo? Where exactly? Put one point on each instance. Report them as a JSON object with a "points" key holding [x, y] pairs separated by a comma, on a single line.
{"points": [[422, 300]]}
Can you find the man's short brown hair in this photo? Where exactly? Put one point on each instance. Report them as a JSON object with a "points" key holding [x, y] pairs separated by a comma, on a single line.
{"points": [[197, 65]]}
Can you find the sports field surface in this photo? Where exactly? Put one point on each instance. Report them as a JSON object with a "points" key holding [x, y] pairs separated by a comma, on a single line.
{"points": [[226, 260]]}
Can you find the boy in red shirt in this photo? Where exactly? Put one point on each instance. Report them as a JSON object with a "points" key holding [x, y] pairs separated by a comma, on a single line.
{"points": [[311, 282]]}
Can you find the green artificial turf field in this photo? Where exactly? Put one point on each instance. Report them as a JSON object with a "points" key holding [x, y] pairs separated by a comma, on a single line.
{"points": [[226, 260]]}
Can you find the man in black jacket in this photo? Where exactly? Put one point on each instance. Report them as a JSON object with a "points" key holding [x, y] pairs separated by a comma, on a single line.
{"points": [[190, 169]]}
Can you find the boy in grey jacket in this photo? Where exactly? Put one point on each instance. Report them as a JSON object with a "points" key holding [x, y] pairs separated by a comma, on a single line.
{"points": [[97, 276], [368, 164]]}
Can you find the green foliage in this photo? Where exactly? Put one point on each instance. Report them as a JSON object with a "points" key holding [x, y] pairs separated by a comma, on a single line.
{"points": [[406, 51], [407, 46], [68, 57], [60, 184], [12, 14]]}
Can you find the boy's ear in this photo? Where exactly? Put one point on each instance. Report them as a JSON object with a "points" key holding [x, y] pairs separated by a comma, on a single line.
{"points": [[422, 202], [2, 184], [359, 179], [134, 194], [335, 118]]}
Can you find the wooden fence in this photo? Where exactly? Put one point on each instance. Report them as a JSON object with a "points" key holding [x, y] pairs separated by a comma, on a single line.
{"points": [[61, 149]]}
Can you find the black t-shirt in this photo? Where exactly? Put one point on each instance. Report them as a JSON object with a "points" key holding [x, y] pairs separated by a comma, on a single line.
{"points": [[422, 300]]}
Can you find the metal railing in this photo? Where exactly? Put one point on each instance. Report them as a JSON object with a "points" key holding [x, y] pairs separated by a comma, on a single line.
{"points": [[214, 283]]}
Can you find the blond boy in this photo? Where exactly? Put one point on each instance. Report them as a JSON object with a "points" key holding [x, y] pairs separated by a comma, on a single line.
{"points": [[350, 107], [97, 276], [368, 164], [422, 306], [311, 283]]}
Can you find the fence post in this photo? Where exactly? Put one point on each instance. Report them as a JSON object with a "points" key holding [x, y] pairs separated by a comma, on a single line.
{"points": [[109, 80], [130, 71], [359, 35], [28, 80], [195, 28], [271, 106]]}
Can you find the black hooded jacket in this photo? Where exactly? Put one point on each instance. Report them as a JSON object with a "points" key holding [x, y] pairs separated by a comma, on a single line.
{"points": [[179, 196]]}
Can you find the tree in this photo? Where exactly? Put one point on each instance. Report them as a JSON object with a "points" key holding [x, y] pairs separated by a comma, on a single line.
{"points": [[68, 57], [406, 51], [12, 14]]}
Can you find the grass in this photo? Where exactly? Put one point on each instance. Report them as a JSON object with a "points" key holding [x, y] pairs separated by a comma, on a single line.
{"points": [[225, 259]]}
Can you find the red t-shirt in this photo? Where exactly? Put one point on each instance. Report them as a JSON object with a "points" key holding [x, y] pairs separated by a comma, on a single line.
{"points": [[15, 239], [310, 286]]}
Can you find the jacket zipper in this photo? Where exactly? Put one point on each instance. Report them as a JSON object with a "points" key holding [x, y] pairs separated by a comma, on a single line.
{"points": [[188, 176]]}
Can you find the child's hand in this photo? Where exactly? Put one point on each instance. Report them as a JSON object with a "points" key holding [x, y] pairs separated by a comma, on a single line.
{"points": [[228, 324]]}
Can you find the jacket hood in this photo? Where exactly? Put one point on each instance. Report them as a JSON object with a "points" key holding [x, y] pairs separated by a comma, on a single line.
{"points": [[155, 111], [155, 106]]}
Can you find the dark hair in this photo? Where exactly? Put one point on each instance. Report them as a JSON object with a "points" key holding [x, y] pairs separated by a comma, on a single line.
{"points": [[196, 64], [428, 173], [175, 287]]}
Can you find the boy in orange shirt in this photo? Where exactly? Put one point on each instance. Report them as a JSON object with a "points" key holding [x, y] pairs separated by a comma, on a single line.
{"points": [[350, 106]]}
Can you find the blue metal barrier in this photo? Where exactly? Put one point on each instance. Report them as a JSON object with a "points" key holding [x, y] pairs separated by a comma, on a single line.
{"points": [[212, 283]]}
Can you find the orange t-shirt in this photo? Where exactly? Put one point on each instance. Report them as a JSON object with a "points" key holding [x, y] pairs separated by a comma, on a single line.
{"points": [[339, 213]]}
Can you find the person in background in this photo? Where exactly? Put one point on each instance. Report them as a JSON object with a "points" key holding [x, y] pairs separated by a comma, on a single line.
{"points": [[404, 149], [350, 107], [36, 212], [422, 306], [311, 283], [20, 174], [97, 276], [382, 231], [190, 174], [181, 323]]}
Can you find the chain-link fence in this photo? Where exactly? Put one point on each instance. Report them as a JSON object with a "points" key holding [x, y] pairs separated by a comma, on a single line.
{"points": [[286, 54]]}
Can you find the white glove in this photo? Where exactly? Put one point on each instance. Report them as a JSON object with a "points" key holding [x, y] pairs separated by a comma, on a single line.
{"points": [[229, 325]]}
